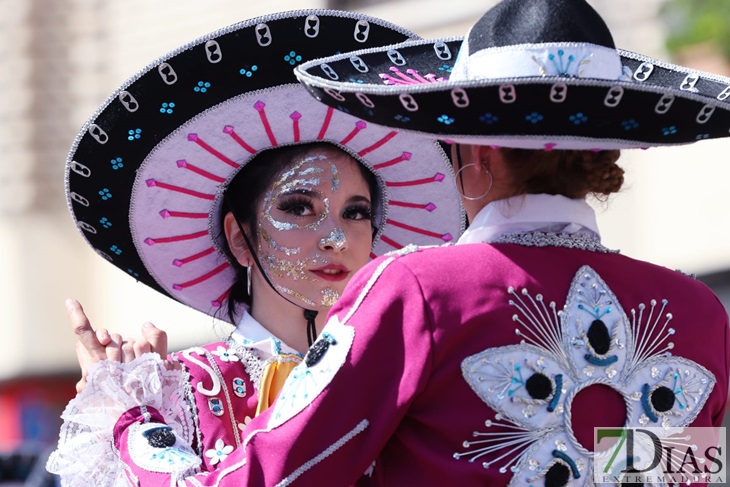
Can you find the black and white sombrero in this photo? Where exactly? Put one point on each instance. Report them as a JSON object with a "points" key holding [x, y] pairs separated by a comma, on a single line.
{"points": [[146, 174], [540, 74]]}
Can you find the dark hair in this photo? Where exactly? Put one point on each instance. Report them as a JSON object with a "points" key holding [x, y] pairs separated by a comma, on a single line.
{"points": [[243, 197], [571, 173]]}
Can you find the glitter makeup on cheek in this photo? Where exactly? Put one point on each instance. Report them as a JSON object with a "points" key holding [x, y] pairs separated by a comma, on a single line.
{"points": [[336, 239], [329, 297], [272, 243], [285, 268], [295, 294]]}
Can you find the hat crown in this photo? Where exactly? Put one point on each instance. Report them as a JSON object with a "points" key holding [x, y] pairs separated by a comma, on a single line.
{"points": [[514, 22]]}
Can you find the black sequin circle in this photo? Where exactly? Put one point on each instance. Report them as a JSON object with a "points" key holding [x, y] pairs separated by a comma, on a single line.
{"points": [[662, 399], [598, 337], [539, 386], [557, 476]]}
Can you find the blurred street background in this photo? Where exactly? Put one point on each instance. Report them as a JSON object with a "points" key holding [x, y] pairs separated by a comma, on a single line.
{"points": [[62, 58]]}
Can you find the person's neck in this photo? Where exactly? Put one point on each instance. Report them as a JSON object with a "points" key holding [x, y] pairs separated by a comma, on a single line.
{"points": [[286, 322]]}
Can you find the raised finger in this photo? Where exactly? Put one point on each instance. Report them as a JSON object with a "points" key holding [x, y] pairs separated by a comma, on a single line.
{"points": [[82, 329]]}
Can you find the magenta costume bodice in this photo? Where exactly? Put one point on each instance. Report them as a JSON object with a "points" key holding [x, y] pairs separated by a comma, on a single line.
{"points": [[484, 363], [220, 389], [420, 360]]}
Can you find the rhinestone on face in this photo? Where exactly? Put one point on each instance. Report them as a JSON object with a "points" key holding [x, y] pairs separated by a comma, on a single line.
{"points": [[588, 371]]}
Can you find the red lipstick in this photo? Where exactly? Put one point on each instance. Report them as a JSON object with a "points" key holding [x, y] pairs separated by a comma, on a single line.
{"points": [[331, 272]]}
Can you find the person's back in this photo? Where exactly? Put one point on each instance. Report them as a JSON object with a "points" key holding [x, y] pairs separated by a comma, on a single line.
{"points": [[604, 325]]}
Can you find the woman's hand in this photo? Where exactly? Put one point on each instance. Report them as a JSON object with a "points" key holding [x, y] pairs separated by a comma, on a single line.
{"points": [[94, 346]]}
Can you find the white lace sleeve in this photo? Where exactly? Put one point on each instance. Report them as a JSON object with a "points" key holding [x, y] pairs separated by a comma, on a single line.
{"points": [[85, 454]]}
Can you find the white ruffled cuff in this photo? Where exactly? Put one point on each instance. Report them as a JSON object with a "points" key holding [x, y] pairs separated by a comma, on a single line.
{"points": [[85, 454]]}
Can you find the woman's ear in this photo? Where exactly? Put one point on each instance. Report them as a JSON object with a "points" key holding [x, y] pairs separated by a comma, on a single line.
{"points": [[235, 240], [485, 155]]}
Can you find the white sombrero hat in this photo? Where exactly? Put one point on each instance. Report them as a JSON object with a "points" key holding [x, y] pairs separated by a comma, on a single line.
{"points": [[146, 174]]}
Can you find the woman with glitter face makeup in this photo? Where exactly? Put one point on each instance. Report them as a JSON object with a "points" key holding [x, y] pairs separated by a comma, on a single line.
{"points": [[311, 230], [500, 360], [256, 210]]}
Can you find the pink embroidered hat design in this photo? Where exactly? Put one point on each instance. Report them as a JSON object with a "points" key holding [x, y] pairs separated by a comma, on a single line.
{"points": [[146, 175]]}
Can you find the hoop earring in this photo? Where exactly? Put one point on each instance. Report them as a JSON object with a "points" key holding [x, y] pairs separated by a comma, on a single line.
{"points": [[474, 198], [248, 280]]}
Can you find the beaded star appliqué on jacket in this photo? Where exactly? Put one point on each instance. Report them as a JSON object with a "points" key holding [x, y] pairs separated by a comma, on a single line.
{"points": [[591, 341]]}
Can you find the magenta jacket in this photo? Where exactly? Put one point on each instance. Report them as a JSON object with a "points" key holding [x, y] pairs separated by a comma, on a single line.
{"points": [[477, 364]]}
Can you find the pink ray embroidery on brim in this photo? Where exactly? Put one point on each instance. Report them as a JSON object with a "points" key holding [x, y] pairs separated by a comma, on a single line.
{"points": [[177, 238], [428, 207], [203, 278], [194, 257], [326, 123], [406, 156], [438, 177], [231, 130], [260, 107], [391, 242], [359, 125], [378, 144], [295, 125], [153, 183], [181, 214], [182, 163], [447, 237], [211, 150], [218, 302], [404, 79]]}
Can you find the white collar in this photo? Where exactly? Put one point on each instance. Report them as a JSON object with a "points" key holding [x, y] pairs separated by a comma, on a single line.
{"points": [[531, 213], [252, 334]]}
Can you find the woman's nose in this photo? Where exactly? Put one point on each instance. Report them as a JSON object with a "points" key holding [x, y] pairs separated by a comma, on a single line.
{"points": [[335, 240]]}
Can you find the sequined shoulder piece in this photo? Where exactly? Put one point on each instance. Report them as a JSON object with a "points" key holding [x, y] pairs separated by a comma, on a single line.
{"points": [[411, 248], [580, 241], [591, 341]]}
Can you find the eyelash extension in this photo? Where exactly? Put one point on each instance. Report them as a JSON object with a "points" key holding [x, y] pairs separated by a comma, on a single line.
{"points": [[294, 201], [365, 210]]}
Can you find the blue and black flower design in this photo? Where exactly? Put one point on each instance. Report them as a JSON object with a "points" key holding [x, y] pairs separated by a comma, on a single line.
{"points": [[590, 341]]}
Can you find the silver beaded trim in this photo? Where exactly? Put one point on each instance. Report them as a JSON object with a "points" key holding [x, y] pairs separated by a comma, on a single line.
{"points": [[226, 394], [251, 360], [361, 426], [192, 407], [582, 241]]}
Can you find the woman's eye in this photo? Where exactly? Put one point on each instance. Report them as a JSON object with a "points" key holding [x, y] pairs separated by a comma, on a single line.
{"points": [[300, 210], [358, 213], [297, 207]]}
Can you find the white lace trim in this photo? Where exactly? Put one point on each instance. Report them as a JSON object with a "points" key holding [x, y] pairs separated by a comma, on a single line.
{"points": [[85, 454]]}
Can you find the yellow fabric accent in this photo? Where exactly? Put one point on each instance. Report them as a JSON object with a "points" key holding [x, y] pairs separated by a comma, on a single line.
{"points": [[275, 372]]}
